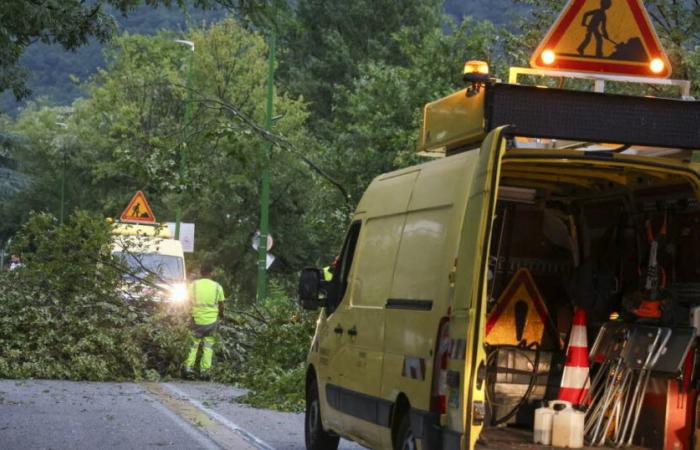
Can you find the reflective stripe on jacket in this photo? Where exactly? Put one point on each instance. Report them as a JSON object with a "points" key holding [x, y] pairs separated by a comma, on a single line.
{"points": [[206, 295]]}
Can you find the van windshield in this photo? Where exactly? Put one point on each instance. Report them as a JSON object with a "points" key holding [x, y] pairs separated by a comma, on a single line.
{"points": [[141, 265]]}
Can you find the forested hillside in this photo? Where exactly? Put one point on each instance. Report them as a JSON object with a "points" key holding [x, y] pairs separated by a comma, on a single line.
{"points": [[55, 72], [497, 11]]}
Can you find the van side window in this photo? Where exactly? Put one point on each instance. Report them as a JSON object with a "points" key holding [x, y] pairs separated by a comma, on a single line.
{"points": [[340, 280]]}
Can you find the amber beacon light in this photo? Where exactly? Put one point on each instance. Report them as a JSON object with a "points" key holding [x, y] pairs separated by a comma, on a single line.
{"points": [[479, 67]]}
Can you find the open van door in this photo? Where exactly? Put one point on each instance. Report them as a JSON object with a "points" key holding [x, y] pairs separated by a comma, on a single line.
{"points": [[466, 363]]}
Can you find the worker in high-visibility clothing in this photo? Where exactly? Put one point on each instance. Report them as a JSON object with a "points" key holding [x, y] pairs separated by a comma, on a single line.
{"points": [[327, 273], [207, 300], [330, 269]]}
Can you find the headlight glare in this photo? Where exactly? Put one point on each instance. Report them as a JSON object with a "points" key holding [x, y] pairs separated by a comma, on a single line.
{"points": [[178, 293]]}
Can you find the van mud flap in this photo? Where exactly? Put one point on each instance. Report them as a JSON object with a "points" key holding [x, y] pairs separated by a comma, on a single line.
{"points": [[426, 428], [451, 440]]}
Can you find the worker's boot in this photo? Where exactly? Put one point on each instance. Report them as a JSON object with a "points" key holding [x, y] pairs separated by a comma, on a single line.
{"points": [[205, 375], [187, 373]]}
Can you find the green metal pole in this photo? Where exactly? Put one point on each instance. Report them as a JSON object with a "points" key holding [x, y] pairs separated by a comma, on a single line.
{"points": [[265, 190], [183, 147], [63, 183]]}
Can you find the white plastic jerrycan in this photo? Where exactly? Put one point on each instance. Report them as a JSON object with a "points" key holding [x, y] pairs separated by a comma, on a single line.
{"points": [[567, 425], [543, 425]]}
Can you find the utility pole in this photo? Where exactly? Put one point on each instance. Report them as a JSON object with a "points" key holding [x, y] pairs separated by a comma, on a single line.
{"points": [[265, 190], [183, 146], [63, 173], [63, 183]]}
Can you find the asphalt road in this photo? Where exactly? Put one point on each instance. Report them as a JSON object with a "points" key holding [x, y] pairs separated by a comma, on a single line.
{"points": [[43, 414]]}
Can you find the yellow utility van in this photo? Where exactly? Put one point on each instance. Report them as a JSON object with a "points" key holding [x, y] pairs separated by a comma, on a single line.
{"points": [[562, 191], [154, 262]]}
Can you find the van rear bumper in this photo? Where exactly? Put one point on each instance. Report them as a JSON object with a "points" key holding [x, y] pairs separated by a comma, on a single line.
{"points": [[426, 428]]}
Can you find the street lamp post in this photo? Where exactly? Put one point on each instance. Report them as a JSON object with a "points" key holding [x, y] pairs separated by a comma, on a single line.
{"points": [[63, 183], [265, 189], [183, 147], [63, 174]]}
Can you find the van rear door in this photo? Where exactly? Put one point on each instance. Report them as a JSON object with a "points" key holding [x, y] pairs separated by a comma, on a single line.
{"points": [[465, 390]]}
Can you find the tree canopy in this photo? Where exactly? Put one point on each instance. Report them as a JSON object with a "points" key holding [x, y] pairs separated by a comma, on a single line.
{"points": [[72, 23]]}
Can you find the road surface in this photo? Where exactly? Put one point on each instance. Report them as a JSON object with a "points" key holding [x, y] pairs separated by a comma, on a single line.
{"points": [[43, 414]]}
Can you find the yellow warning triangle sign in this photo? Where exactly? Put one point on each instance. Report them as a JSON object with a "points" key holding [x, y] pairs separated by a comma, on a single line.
{"points": [[138, 210], [520, 314], [603, 36]]}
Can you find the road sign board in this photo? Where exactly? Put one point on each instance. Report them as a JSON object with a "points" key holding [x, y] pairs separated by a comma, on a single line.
{"points": [[520, 313], [255, 241], [186, 235], [603, 36], [138, 210]]}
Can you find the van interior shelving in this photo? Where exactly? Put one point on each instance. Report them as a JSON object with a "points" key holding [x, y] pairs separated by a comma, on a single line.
{"points": [[581, 218]]}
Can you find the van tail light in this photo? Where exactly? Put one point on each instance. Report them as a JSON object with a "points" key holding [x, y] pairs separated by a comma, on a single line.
{"points": [[442, 352]]}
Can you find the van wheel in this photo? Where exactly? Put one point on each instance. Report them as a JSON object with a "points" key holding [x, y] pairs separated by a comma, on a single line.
{"points": [[404, 437], [316, 437]]}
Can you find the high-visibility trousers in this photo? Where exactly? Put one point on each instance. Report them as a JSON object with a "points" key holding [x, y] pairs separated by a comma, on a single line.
{"points": [[207, 344]]}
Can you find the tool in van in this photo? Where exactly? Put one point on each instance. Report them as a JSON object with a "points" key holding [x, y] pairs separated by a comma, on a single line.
{"points": [[619, 389], [648, 305]]}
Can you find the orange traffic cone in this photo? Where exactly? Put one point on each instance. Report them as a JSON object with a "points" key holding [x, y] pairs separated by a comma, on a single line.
{"points": [[574, 381]]}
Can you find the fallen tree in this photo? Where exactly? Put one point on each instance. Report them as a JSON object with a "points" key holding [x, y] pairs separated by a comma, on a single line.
{"points": [[62, 316]]}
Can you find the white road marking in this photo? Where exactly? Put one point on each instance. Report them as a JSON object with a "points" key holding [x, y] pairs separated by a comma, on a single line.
{"points": [[201, 439], [251, 438]]}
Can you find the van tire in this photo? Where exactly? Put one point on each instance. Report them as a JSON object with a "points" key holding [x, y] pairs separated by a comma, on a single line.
{"points": [[405, 440], [315, 436]]}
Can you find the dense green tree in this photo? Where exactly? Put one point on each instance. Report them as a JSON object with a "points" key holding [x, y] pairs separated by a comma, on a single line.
{"points": [[45, 156], [128, 135], [72, 23], [328, 40], [377, 121]]}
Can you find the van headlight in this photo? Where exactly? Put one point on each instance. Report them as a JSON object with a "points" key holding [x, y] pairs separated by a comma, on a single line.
{"points": [[178, 293]]}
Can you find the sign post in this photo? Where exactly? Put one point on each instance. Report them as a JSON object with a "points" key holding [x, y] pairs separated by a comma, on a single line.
{"points": [[261, 290], [186, 235]]}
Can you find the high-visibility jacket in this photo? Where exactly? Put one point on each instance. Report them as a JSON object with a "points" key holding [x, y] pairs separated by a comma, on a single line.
{"points": [[327, 274], [206, 295]]}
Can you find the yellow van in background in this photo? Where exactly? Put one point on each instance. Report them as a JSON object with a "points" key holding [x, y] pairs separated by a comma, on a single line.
{"points": [[154, 262], [532, 184]]}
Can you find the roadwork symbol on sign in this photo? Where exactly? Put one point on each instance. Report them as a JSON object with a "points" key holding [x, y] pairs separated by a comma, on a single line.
{"points": [[603, 36], [138, 210], [519, 315]]}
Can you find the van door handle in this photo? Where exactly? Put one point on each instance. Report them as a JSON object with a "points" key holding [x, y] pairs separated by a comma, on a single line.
{"points": [[352, 331], [338, 330]]}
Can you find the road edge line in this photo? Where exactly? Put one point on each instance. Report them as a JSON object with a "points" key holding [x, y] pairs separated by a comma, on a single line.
{"points": [[245, 434], [202, 438]]}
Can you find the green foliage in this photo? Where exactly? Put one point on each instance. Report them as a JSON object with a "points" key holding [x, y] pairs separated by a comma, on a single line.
{"points": [[128, 136], [269, 343], [500, 12], [61, 315], [73, 23], [328, 41], [378, 117]]}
